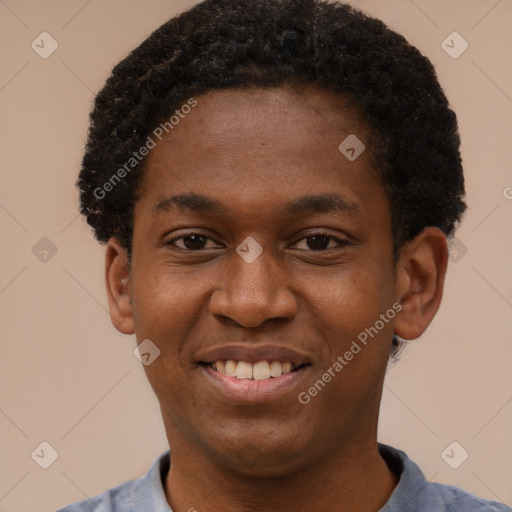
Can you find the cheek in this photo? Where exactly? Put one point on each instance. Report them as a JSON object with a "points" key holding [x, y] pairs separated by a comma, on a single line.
{"points": [[358, 343], [354, 297], [349, 305], [164, 301], [165, 309], [168, 308]]}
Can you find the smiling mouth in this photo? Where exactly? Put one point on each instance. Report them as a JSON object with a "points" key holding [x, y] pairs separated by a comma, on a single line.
{"points": [[260, 370]]}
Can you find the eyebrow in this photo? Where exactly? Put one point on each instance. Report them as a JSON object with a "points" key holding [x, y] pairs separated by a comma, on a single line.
{"points": [[322, 203], [303, 205], [192, 202]]}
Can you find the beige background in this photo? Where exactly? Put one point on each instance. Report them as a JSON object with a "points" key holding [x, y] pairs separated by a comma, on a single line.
{"points": [[68, 378]]}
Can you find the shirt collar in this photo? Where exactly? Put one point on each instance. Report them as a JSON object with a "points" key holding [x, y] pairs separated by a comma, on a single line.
{"points": [[149, 490], [412, 481]]}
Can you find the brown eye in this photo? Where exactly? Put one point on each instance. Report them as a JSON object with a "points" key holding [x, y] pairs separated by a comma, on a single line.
{"points": [[322, 242], [318, 242], [193, 242]]}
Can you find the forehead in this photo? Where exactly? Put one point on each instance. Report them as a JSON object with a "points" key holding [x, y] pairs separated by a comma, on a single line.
{"points": [[297, 116], [260, 146]]}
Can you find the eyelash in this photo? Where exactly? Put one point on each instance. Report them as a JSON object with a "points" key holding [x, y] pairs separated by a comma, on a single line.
{"points": [[339, 241]]}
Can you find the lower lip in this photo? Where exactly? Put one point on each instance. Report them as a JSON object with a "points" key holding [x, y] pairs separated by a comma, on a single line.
{"points": [[254, 391]]}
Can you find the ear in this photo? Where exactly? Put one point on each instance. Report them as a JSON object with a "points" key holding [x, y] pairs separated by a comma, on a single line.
{"points": [[117, 280], [421, 270]]}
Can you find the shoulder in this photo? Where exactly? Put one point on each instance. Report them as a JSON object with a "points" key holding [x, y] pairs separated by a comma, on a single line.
{"points": [[414, 493], [455, 499], [147, 490], [109, 501]]}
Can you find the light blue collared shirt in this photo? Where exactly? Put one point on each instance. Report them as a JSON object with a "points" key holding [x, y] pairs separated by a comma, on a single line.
{"points": [[412, 494]]}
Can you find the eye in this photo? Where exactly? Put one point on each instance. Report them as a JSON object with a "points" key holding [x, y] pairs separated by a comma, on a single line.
{"points": [[192, 242], [322, 242], [317, 242]]}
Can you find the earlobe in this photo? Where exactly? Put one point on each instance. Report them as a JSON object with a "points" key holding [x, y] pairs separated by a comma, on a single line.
{"points": [[117, 281], [421, 271]]}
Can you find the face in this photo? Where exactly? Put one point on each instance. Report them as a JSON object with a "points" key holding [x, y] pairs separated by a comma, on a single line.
{"points": [[256, 240]]}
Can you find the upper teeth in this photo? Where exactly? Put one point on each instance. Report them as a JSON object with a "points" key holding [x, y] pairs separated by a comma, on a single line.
{"points": [[257, 371]]}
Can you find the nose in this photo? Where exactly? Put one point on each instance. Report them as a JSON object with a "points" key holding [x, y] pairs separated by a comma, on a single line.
{"points": [[251, 294]]}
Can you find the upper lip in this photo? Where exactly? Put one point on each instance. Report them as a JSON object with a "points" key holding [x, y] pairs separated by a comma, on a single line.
{"points": [[253, 354]]}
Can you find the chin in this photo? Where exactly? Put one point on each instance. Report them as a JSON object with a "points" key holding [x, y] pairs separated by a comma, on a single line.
{"points": [[258, 456]]}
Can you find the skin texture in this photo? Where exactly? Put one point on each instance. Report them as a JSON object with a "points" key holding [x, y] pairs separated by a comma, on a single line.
{"points": [[255, 152]]}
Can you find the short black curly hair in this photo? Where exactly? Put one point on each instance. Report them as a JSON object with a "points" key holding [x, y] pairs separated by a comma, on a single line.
{"points": [[236, 44]]}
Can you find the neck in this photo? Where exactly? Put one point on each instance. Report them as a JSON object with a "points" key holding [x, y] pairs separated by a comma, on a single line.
{"points": [[354, 477]]}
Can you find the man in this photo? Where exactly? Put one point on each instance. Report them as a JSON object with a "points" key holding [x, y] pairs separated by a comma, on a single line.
{"points": [[275, 181]]}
